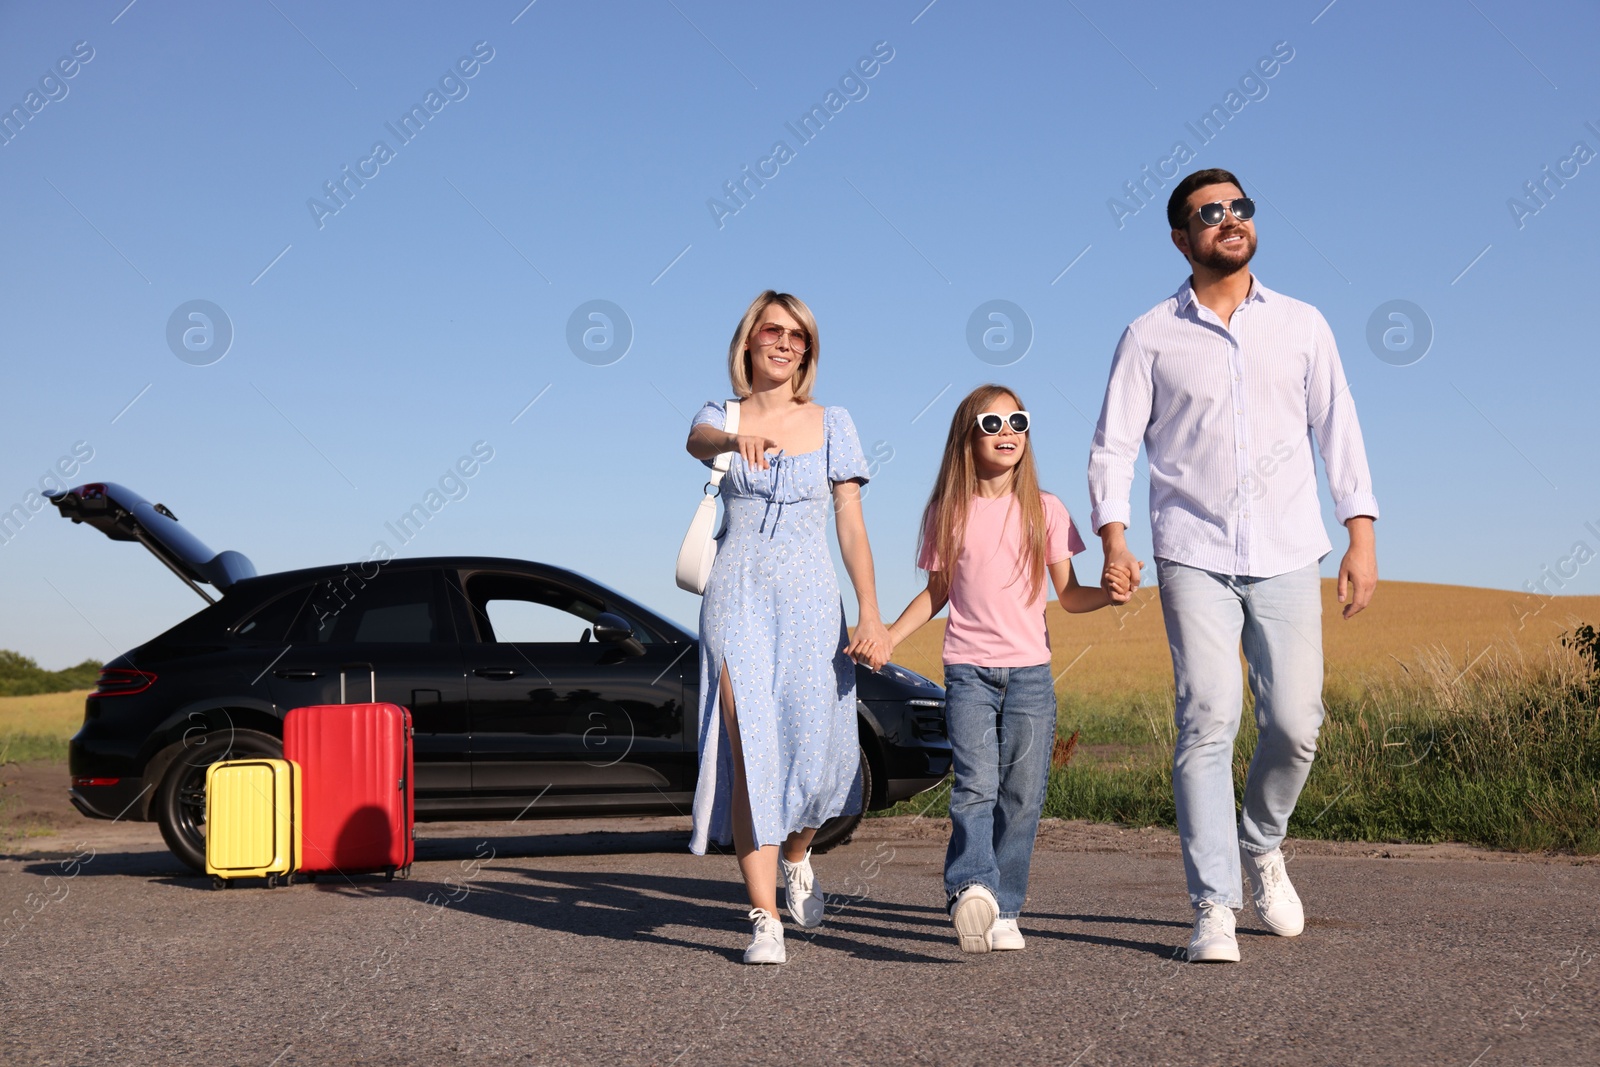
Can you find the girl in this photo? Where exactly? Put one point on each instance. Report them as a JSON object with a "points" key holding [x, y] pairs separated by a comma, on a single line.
{"points": [[989, 535], [779, 753]]}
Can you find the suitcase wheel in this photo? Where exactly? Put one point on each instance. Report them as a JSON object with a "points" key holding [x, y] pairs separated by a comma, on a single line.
{"points": [[388, 874], [218, 882], [288, 879], [404, 872], [272, 881]]}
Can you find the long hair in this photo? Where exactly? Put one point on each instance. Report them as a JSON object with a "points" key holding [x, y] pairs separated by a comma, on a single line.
{"points": [[944, 520], [739, 347]]}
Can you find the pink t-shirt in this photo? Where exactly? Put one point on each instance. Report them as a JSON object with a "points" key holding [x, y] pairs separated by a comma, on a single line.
{"points": [[994, 619]]}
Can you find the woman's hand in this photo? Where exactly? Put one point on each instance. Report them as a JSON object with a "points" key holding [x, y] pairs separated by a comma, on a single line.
{"points": [[754, 448], [872, 645]]}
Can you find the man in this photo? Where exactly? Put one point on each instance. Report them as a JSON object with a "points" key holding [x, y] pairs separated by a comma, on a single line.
{"points": [[1228, 383]]}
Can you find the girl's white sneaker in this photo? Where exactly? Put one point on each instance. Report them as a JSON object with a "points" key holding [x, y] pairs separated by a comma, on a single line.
{"points": [[1005, 937], [973, 914], [766, 941]]}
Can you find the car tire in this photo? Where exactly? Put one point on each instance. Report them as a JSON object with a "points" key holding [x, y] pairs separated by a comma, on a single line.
{"points": [[180, 801], [839, 829]]}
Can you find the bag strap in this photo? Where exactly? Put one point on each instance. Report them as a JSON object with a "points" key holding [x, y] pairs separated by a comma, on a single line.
{"points": [[724, 460]]}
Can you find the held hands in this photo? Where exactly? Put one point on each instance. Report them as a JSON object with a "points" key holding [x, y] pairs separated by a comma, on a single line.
{"points": [[754, 448], [1120, 579], [872, 645]]}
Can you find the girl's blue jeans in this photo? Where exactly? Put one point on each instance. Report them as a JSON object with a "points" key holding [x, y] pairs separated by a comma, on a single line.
{"points": [[1002, 723]]}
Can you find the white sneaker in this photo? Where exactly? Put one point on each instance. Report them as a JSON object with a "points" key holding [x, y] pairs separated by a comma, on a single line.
{"points": [[1274, 897], [800, 891], [1005, 937], [973, 914], [766, 942], [1213, 940]]}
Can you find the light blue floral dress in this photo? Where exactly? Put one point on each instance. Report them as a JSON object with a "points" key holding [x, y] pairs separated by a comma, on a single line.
{"points": [[772, 613]]}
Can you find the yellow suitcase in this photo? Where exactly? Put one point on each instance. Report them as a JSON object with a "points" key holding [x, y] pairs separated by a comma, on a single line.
{"points": [[252, 820]]}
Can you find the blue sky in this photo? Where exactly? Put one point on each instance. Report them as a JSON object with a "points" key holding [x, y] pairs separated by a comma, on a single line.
{"points": [[374, 345]]}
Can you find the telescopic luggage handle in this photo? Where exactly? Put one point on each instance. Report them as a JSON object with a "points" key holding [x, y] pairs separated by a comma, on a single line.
{"points": [[372, 675]]}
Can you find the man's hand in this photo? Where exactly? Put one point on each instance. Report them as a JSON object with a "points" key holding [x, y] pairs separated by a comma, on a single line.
{"points": [[1119, 560], [1119, 581], [1358, 571]]}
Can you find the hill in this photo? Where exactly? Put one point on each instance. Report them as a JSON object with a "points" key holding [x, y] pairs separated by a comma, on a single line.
{"points": [[1119, 651]]}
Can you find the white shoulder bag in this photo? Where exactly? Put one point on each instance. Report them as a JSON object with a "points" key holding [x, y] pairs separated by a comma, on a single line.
{"points": [[699, 547]]}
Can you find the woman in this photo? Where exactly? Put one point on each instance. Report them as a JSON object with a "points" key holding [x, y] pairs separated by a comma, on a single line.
{"points": [[778, 744]]}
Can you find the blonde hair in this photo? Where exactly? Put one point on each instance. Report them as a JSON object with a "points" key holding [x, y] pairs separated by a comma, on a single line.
{"points": [[944, 520], [739, 348]]}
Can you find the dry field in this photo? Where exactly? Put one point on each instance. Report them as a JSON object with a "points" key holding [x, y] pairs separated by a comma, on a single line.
{"points": [[47, 715], [1119, 651]]}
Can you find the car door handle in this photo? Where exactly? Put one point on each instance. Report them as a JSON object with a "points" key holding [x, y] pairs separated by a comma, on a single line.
{"points": [[496, 672], [298, 674]]}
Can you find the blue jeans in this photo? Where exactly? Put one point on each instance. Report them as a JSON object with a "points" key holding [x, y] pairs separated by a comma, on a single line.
{"points": [[1279, 620], [1002, 723]]}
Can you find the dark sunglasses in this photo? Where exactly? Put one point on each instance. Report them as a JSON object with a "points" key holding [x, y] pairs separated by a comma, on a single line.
{"points": [[1244, 209], [991, 424]]}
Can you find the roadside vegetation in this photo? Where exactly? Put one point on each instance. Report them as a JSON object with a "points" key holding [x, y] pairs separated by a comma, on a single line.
{"points": [[21, 676], [40, 710], [1500, 750]]}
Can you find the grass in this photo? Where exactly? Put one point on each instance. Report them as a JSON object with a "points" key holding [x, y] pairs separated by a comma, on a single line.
{"points": [[39, 727], [1488, 733]]}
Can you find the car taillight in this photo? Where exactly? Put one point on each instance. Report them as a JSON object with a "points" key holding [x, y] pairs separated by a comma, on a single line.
{"points": [[122, 681], [95, 781]]}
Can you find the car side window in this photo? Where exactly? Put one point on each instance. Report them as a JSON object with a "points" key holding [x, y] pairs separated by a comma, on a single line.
{"points": [[271, 621], [390, 608], [520, 622], [515, 609]]}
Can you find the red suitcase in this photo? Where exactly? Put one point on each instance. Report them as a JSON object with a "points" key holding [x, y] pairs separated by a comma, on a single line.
{"points": [[355, 763]]}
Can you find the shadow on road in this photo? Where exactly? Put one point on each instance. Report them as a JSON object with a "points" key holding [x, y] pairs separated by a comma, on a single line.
{"points": [[643, 907]]}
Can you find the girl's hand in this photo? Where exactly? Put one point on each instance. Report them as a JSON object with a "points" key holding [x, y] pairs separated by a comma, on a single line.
{"points": [[1121, 580], [754, 448], [872, 645]]}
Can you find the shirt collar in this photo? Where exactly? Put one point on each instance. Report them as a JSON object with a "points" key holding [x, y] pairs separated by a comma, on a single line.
{"points": [[1186, 300]]}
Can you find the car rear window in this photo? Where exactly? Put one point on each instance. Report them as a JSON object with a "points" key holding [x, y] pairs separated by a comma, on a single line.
{"points": [[271, 621]]}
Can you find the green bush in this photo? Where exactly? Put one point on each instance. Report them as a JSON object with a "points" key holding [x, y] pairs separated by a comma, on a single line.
{"points": [[21, 676]]}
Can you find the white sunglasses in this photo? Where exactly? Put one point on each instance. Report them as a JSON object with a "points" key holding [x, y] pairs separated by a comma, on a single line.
{"points": [[991, 423]]}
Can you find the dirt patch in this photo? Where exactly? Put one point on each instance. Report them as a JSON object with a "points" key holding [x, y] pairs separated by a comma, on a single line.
{"points": [[33, 799]]}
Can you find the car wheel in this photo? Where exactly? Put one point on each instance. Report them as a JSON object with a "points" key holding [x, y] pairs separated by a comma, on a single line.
{"points": [[839, 829], [180, 801]]}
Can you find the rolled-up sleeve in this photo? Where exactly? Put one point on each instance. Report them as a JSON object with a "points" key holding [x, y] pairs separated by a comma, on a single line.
{"points": [[1331, 415], [1123, 418]]}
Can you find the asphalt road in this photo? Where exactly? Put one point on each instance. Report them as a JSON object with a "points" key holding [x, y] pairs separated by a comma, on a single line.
{"points": [[603, 943]]}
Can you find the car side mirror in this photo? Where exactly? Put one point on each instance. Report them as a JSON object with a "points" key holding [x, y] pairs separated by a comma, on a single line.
{"points": [[614, 630]]}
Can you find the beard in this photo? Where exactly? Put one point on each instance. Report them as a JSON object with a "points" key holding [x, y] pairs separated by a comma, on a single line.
{"points": [[1227, 261]]}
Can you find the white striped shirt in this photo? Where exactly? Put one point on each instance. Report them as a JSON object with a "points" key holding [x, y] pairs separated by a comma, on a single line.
{"points": [[1228, 415]]}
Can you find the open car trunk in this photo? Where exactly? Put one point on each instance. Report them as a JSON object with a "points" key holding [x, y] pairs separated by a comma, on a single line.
{"points": [[123, 515]]}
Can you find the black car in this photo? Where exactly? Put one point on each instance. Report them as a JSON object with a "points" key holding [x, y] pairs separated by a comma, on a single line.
{"points": [[534, 692]]}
